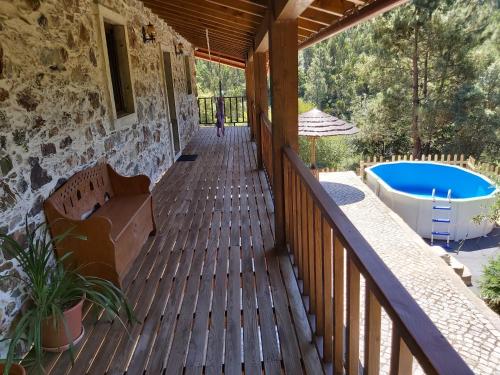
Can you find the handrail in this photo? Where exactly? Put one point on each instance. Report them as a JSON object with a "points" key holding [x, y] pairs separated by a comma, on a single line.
{"points": [[411, 326]]}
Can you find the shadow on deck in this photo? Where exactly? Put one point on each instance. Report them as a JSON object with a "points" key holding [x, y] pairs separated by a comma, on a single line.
{"points": [[211, 295]]}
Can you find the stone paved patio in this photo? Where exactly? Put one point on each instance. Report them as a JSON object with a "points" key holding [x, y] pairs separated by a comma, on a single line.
{"points": [[471, 327]]}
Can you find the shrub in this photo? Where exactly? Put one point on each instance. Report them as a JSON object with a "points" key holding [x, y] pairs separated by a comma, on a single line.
{"points": [[490, 284]]}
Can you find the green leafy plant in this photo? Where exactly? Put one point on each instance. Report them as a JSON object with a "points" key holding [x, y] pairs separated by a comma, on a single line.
{"points": [[490, 284], [52, 289], [493, 214]]}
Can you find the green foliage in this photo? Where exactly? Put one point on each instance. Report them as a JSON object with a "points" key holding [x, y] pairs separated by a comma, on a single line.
{"points": [[331, 152], [304, 106], [490, 284], [51, 290], [366, 75], [493, 215], [207, 79]]}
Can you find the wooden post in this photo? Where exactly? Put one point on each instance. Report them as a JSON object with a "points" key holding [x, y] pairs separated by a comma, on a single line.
{"points": [[312, 142], [283, 54], [261, 100], [250, 90]]}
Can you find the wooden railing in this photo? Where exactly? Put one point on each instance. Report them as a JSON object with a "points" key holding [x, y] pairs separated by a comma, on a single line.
{"points": [[235, 110], [334, 261], [267, 150]]}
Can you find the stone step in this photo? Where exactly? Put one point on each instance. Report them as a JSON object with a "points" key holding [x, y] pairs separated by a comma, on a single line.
{"points": [[457, 266], [442, 253], [467, 276]]}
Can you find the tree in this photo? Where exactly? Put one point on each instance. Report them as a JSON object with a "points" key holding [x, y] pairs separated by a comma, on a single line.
{"points": [[422, 78], [207, 79]]}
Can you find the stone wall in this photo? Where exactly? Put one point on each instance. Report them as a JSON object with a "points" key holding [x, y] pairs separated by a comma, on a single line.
{"points": [[54, 112]]}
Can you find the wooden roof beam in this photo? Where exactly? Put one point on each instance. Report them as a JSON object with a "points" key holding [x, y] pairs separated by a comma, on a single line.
{"points": [[369, 11], [240, 24], [232, 63], [282, 10]]}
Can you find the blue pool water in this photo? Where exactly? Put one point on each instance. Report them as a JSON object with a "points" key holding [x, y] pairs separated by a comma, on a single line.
{"points": [[420, 178]]}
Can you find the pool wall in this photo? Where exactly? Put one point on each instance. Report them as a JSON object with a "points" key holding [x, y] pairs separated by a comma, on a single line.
{"points": [[417, 211]]}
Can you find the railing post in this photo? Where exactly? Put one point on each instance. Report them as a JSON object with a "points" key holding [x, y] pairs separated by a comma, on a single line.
{"points": [[261, 99], [250, 91], [283, 54]]}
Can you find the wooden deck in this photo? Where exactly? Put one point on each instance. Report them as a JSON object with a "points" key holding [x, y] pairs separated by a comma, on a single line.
{"points": [[210, 292]]}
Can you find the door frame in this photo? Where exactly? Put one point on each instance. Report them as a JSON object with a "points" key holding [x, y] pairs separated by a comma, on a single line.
{"points": [[163, 49]]}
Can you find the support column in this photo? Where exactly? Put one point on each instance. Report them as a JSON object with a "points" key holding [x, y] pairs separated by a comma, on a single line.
{"points": [[283, 51], [250, 91], [261, 100]]}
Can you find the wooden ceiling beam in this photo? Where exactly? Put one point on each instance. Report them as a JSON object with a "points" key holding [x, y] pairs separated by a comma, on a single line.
{"points": [[335, 7], [200, 29], [309, 25], [206, 9], [222, 54], [219, 46], [175, 8], [232, 63], [199, 40], [242, 6], [230, 47], [367, 12], [214, 42], [203, 24], [282, 10], [324, 18]]}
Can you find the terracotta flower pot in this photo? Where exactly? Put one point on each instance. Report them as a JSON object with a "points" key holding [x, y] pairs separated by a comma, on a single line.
{"points": [[15, 369], [57, 337]]}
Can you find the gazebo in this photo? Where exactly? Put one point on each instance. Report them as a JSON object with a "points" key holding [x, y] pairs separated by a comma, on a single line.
{"points": [[315, 123]]}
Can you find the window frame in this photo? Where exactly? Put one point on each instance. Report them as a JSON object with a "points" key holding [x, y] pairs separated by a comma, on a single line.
{"points": [[107, 16]]}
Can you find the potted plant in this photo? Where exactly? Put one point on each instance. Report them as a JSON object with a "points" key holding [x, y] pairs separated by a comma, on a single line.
{"points": [[15, 369], [52, 317]]}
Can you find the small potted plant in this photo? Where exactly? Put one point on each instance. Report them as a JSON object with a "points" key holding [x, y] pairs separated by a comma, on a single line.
{"points": [[52, 317]]}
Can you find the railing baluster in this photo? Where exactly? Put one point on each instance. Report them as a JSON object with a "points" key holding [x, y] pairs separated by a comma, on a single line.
{"points": [[327, 254], [295, 221], [230, 112], [310, 253], [320, 312], [353, 292], [401, 357], [300, 232], [373, 313], [304, 244], [338, 301]]}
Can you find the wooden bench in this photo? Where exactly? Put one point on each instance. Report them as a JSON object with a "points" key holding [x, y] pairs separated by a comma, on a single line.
{"points": [[114, 212]]}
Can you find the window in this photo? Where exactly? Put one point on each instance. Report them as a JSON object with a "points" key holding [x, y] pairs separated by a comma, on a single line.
{"points": [[115, 51], [187, 70]]}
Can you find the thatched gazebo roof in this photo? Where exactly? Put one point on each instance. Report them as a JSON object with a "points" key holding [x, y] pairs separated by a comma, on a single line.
{"points": [[315, 123]]}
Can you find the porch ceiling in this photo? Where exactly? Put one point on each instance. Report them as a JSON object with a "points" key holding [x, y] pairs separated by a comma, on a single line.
{"points": [[237, 25]]}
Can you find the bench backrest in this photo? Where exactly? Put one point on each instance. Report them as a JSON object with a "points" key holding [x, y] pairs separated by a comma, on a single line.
{"points": [[83, 191]]}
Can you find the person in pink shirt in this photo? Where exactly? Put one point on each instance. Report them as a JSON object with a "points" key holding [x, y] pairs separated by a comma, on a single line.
{"points": [[219, 114]]}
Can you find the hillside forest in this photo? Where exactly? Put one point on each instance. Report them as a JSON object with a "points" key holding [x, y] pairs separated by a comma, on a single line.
{"points": [[423, 78]]}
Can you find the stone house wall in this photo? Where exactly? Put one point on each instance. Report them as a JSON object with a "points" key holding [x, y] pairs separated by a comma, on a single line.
{"points": [[54, 107]]}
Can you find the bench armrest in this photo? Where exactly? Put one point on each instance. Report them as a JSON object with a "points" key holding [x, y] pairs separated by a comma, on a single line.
{"points": [[128, 185]]}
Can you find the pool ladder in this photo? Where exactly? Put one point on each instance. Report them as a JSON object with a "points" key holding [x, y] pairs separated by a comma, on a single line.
{"points": [[441, 219]]}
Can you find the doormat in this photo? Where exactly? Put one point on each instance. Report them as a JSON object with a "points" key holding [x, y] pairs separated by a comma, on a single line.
{"points": [[187, 157]]}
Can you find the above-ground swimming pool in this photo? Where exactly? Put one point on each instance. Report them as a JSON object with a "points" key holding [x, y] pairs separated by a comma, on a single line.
{"points": [[407, 188]]}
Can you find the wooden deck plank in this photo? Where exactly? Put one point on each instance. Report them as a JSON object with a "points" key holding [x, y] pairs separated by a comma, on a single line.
{"points": [[210, 292]]}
